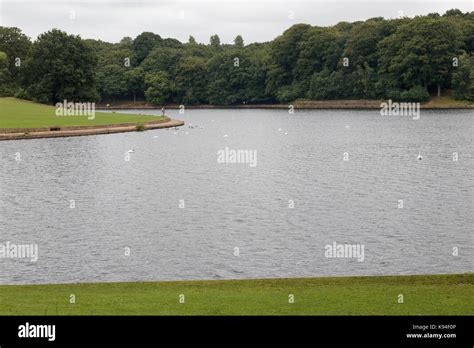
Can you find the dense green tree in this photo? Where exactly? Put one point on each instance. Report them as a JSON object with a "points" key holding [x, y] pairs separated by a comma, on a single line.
{"points": [[420, 52], [234, 78], [163, 59], [16, 46], [465, 24], [361, 46], [321, 48], [61, 67], [330, 85], [453, 13], [114, 62], [135, 82], [239, 41], [116, 55], [223, 85], [5, 78], [283, 55], [415, 94], [191, 81], [126, 42], [362, 83], [171, 43], [215, 41], [463, 78], [143, 44], [159, 88], [112, 82]]}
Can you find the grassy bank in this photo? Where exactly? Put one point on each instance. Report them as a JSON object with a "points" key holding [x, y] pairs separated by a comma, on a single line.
{"points": [[422, 295], [16, 113], [447, 102]]}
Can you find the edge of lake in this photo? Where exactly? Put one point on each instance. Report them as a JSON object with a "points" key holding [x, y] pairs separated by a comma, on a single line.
{"points": [[36, 133], [298, 104]]}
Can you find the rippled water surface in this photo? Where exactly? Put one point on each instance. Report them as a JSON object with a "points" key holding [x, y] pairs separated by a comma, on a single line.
{"points": [[135, 204]]}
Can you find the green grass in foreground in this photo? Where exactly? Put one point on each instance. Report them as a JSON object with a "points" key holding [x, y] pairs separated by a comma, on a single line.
{"points": [[423, 295], [16, 113]]}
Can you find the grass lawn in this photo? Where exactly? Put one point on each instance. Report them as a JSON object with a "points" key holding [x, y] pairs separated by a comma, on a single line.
{"points": [[16, 113], [446, 101], [422, 295]]}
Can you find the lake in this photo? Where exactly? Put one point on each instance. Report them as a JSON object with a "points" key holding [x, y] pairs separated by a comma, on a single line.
{"points": [[172, 210]]}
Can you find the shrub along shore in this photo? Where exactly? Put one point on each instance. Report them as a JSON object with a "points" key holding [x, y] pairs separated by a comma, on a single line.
{"points": [[374, 295]]}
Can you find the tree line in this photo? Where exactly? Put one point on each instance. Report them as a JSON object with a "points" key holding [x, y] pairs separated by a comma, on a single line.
{"points": [[404, 59]]}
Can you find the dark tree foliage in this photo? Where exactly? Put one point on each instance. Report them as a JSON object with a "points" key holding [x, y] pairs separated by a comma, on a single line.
{"points": [[239, 41], [15, 47], [420, 53], [463, 78], [143, 44], [215, 41], [5, 77], [60, 67], [402, 59]]}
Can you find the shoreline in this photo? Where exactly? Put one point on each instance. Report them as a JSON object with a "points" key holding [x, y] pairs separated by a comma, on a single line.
{"points": [[335, 278], [298, 104], [449, 294], [75, 131], [441, 103]]}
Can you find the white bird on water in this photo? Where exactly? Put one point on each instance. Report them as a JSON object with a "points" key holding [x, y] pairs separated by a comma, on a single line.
{"points": [[131, 151], [225, 135], [420, 157], [156, 136], [286, 133]]}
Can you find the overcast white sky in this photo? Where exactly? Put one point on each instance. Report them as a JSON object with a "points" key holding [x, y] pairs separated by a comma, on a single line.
{"points": [[255, 20]]}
